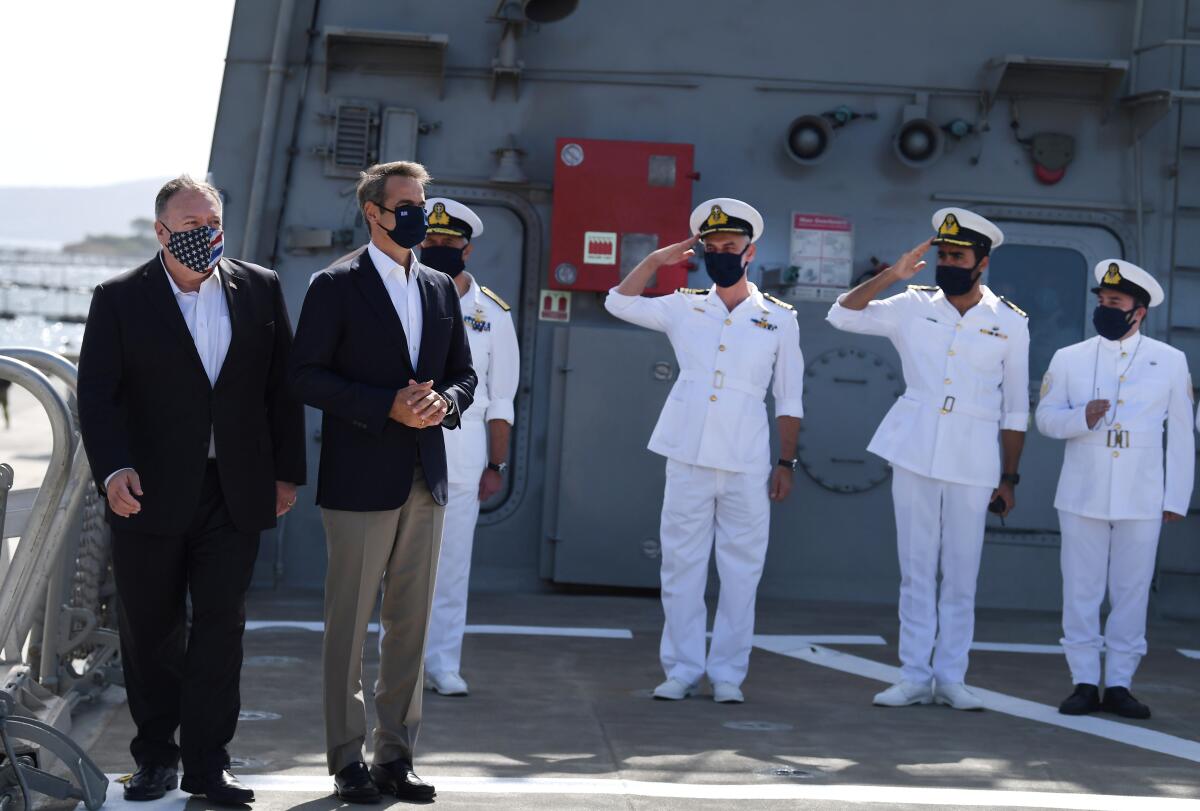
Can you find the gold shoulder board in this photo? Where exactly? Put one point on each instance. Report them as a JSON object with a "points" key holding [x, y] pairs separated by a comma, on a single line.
{"points": [[928, 288], [503, 304], [695, 291], [1014, 307], [776, 301]]}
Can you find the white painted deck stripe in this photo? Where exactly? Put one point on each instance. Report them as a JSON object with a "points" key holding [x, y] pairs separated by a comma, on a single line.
{"points": [[826, 639], [1010, 705], [1191, 654], [873, 795], [1016, 647], [516, 630]]}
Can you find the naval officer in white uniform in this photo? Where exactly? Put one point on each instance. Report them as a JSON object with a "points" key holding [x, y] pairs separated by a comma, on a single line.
{"points": [[1109, 398], [729, 340], [954, 440], [477, 453]]}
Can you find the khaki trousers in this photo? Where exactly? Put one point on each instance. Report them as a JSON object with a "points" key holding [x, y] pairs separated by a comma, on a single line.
{"points": [[398, 549]]}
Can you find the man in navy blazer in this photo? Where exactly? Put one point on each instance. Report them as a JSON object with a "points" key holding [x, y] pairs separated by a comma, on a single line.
{"points": [[381, 349]]}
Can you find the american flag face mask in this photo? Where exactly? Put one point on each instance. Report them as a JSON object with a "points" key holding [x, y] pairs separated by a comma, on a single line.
{"points": [[199, 248]]}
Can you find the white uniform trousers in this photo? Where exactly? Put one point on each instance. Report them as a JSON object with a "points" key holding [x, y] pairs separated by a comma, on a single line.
{"points": [[937, 522], [700, 504], [1120, 555], [448, 618]]}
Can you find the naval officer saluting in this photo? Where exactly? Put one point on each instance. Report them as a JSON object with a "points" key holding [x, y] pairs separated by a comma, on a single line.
{"points": [[1109, 397], [954, 440], [477, 453], [729, 341]]}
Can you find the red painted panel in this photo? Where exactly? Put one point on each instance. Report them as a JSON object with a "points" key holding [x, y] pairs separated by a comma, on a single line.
{"points": [[614, 202]]}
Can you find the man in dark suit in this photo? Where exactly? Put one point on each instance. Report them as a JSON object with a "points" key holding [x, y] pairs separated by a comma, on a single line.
{"points": [[381, 350], [195, 439]]}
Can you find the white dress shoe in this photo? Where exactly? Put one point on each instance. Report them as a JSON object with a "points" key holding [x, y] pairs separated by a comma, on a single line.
{"points": [[725, 692], [446, 684], [958, 696], [903, 694], [673, 690]]}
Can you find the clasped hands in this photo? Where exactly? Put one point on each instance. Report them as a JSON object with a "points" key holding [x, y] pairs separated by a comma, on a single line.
{"points": [[417, 405]]}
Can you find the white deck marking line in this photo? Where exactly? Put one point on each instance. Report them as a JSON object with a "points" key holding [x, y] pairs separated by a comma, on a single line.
{"points": [[880, 795], [1191, 654], [826, 639], [1016, 647], [516, 630], [1010, 705]]}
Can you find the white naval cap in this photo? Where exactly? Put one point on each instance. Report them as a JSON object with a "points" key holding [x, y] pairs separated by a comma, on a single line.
{"points": [[1126, 277], [957, 226], [451, 217], [724, 215]]}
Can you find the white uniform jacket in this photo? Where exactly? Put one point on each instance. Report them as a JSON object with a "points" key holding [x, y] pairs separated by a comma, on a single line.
{"points": [[494, 356], [1116, 471], [966, 377], [715, 415]]}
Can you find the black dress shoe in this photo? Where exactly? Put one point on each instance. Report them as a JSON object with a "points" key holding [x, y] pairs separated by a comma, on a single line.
{"points": [[1084, 700], [353, 784], [1119, 701], [219, 787], [399, 778], [151, 782]]}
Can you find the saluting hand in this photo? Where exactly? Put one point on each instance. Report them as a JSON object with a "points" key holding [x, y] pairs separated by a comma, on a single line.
{"points": [[1095, 410], [674, 254], [911, 263]]}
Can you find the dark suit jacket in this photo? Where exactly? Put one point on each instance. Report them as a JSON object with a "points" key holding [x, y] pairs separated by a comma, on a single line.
{"points": [[349, 360], [145, 401]]}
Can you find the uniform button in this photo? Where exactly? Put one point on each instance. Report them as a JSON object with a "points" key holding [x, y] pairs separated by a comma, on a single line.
{"points": [[1122, 378], [727, 322], [1124, 354], [958, 326], [1120, 402], [721, 348], [1117, 427], [951, 352], [1116, 454], [713, 398], [946, 381]]}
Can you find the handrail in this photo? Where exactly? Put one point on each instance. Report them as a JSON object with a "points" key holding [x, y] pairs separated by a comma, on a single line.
{"points": [[51, 561], [29, 565]]}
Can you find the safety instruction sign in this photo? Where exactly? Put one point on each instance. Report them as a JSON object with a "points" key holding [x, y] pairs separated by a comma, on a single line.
{"points": [[822, 250], [555, 306], [600, 248]]}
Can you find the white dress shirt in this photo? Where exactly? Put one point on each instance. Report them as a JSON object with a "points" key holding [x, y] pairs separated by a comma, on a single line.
{"points": [[1116, 470], [405, 294], [966, 377], [206, 313], [715, 415], [496, 360]]}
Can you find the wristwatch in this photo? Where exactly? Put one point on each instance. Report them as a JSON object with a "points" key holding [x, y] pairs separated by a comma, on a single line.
{"points": [[790, 464], [499, 468], [1012, 478]]}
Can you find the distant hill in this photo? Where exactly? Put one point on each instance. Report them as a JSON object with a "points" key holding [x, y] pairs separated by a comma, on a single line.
{"points": [[61, 215]]}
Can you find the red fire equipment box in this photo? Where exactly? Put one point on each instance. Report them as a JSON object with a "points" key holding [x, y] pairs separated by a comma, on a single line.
{"points": [[614, 203]]}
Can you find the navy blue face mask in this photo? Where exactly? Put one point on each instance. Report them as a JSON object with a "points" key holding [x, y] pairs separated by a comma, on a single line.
{"points": [[724, 268], [409, 230], [446, 258], [1111, 322]]}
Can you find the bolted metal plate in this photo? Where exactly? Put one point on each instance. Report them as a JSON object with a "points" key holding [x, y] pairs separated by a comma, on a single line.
{"points": [[757, 726], [258, 715], [850, 388]]}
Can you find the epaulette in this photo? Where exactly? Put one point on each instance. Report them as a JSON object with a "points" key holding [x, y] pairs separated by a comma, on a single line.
{"points": [[1014, 308], [928, 288], [695, 291], [487, 292], [776, 301]]}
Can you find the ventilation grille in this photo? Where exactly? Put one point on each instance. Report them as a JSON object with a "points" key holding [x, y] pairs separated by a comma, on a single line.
{"points": [[354, 134]]}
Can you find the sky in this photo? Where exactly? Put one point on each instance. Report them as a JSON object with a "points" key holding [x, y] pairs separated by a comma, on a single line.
{"points": [[102, 93]]}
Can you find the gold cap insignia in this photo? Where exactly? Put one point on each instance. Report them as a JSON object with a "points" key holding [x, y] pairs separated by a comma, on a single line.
{"points": [[439, 216], [1113, 276], [949, 226], [716, 217]]}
